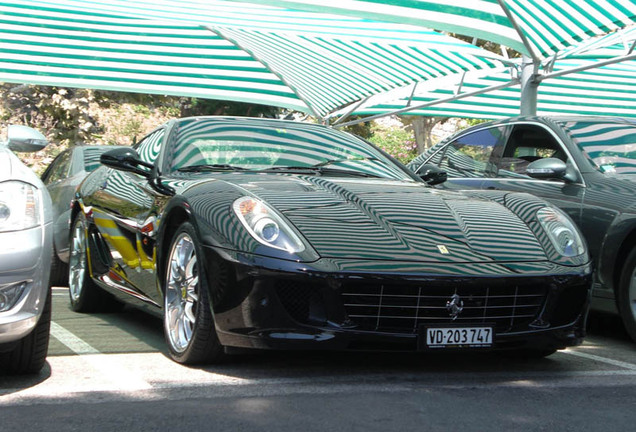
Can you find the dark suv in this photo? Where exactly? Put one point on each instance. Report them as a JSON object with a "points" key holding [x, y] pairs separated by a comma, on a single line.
{"points": [[584, 165]]}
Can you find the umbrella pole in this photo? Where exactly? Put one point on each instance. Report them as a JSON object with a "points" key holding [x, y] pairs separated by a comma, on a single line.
{"points": [[529, 87]]}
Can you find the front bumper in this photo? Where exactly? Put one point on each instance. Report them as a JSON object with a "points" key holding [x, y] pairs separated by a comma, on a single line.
{"points": [[25, 262], [259, 302]]}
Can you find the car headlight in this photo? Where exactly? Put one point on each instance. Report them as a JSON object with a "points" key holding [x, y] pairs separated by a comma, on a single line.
{"points": [[266, 226], [20, 206], [562, 233]]}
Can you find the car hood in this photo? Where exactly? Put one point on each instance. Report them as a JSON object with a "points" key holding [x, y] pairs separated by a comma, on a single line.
{"points": [[393, 220]]}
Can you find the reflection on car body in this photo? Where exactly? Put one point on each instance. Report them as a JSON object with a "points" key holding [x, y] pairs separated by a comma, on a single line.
{"points": [[584, 165], [259, 233]]}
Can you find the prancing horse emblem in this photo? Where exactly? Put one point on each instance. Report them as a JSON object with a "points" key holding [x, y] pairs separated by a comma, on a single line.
{"points": [[455, 306], [442, 249]]}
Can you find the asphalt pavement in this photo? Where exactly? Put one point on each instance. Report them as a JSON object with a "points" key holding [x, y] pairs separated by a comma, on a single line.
{"points": [[110, 372]]}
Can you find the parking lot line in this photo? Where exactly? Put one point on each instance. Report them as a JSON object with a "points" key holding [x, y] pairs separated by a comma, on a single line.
{"points": [[605, 360], [112, 370], [75, 344]]}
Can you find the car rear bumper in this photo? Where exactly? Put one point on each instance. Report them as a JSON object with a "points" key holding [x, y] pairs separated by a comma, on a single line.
{"points": [[343, 304], [25, 263]]}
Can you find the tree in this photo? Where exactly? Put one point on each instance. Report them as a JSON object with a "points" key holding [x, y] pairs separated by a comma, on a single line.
{"points": [[422, 128]]}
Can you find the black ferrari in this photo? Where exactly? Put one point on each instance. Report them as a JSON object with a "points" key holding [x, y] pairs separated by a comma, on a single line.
{"points": [[260, 233]]}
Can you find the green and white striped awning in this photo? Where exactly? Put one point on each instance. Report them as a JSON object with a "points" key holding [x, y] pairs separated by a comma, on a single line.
{"points": [[613, 45], [585, 93], [317, 57], [539, 28], [224, 50], [574, 83]]}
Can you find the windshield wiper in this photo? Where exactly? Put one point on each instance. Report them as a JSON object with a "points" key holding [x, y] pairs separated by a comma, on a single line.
{"points": [[210, 167], [291, 168], [333, 161], [348, 172], [318, 169]]}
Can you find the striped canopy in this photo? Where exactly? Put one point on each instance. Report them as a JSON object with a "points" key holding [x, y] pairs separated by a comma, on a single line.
{"points": [[615, 44], [539, 28], [217, 49], [597, 90]]}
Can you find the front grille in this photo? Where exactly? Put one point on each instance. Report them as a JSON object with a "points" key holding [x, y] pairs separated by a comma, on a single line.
{"points": [[403, 308]]}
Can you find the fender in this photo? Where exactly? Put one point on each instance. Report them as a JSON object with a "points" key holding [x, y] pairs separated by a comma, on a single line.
{"points": [[618, 242]]}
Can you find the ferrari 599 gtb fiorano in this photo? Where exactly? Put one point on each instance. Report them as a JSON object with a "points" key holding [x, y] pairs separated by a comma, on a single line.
{"points": [[258, 233]]}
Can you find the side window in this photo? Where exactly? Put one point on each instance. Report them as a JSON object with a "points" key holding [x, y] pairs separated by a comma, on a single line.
{"points": [[58, 169], [150, 147], [470, 154], [527, 143]]}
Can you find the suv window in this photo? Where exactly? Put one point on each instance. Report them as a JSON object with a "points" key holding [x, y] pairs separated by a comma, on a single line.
{"points": [[527, 143], [470, 154]]}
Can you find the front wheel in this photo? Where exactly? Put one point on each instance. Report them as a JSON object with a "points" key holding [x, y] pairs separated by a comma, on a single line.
{"points": [[626, 297], [188, 321], [29, 355]]}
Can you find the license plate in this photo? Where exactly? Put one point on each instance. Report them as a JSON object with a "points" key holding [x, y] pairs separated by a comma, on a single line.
{"points": [[458, 337]]}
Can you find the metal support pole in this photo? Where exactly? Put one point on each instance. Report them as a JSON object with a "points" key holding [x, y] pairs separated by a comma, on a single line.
{"points": [[594, 65], [512, 82], [529, 87]]}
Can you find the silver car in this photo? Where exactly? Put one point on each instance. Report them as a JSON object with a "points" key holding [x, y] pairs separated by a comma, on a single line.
{"points": [[61, 179], [25, 257]]}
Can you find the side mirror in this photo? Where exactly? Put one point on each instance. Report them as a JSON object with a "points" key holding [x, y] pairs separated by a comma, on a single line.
{"points": [[548, 168], [125, 159], [25, 139], [432, 174]]}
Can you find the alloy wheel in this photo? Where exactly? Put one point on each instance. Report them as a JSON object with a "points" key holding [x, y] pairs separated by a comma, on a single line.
{"points": [[77, 261], [181, 298]]}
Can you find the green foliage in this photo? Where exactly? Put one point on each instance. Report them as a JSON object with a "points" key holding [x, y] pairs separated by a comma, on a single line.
{"points": [[363, 130], [396, 141], [473, 121]]}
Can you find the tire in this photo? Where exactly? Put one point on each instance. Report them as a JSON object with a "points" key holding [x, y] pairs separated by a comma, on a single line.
{"points": [[84, 294], [29, 356], [59, 271], [188, 321], [626, 296]]}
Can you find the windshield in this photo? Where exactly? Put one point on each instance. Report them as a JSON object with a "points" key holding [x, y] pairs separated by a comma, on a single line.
{"points": [[610, 146], [275, 146]]}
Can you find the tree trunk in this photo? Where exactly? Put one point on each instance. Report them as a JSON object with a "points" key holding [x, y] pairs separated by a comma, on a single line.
{"points": [[422, 128]]}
